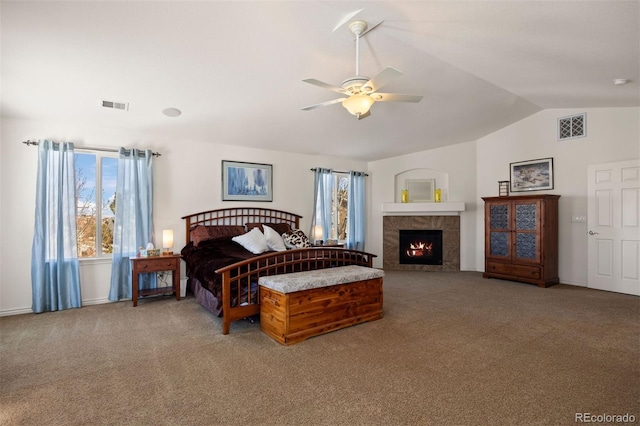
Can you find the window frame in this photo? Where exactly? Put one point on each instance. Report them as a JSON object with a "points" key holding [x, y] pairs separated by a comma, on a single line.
{"points": [[100, 256], [335, 217]]}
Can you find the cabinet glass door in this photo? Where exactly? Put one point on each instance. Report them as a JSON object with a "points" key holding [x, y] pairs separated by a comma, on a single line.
{"points": [[526, 232], [499, 230]]}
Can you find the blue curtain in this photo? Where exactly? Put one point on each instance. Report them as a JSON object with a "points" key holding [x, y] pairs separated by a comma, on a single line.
{"points": [[133, 225], [356, 212], [322, 192], [55, 276]]}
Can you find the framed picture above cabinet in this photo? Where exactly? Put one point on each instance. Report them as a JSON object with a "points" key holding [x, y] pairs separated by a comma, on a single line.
{"points": [[532, 175]]}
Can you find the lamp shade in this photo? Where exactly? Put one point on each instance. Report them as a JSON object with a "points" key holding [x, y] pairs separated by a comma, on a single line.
{"points": [[317, 232], [167, 239], [358, 104]]}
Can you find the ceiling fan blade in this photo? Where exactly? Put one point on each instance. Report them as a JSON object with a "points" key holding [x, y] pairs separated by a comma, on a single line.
{"points": [[371, 28], [346, 19], [323, 85], [384, 77], [393, 97], [365, 115], [327, 103]]}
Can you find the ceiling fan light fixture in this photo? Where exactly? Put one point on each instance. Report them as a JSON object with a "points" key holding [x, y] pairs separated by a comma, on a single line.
{"points": [[358, 104], [359, 93]]}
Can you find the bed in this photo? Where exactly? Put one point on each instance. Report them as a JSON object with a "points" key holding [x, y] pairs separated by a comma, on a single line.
{"points": [[223, 276]]}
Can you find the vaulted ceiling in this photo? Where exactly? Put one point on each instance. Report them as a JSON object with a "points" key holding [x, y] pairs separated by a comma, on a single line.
{"points": [[235, 68]]}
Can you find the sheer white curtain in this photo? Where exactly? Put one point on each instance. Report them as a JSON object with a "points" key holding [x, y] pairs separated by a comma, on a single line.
{"points": [[55, 276], [133, 226], [356, 211]]}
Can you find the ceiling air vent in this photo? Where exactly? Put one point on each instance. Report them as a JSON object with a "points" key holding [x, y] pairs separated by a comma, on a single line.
{"points": [[116, 105], [572, 127]]}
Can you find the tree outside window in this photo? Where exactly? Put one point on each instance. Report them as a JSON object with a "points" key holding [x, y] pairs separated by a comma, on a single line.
{"points": [[339, 207], [96, 175]]}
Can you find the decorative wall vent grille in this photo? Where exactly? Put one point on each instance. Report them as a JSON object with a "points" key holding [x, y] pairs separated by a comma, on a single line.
{"points": [[572, 127], [116, 105]]}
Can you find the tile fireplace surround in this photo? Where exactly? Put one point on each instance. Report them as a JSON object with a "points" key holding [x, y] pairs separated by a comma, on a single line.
{"points": [[450, 226]]}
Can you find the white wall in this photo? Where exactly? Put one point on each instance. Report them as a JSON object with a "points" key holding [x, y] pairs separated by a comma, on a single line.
{"points": [[474, 169], [186, 177], [613, 134], [456, 163], [187, 180]]}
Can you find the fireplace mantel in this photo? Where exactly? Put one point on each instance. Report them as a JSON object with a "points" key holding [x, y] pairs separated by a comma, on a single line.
{"points": [[451, 208]]}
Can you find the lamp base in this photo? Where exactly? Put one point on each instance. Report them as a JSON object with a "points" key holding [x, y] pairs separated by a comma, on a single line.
{"points": [[166, 252]]}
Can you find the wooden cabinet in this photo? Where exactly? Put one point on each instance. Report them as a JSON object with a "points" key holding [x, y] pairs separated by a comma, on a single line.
{"points": [[521, 238]]}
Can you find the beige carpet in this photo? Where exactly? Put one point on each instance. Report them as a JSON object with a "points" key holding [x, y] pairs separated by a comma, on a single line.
{"points": [[453, 348]]}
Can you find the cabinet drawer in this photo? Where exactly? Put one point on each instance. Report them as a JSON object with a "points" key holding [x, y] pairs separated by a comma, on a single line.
{"points": [[514, 270], [156, 265]]}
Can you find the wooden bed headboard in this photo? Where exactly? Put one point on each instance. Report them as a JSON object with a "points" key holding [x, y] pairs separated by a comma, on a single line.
{"points": [[239, 216]]}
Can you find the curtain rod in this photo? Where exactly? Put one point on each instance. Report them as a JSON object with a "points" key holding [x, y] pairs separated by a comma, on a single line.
{"points": [[35, 143], [337, 171]]}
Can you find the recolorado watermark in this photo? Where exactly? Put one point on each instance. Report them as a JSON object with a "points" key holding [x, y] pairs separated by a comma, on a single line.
{"points": [[604, 418]]}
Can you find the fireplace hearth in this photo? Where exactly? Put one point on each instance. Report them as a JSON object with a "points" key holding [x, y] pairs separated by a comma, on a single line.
{"points": [[420, 247]]}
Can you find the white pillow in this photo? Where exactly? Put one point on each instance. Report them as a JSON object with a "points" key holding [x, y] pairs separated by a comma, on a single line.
{"points": [[274, 240], [254, 241]]}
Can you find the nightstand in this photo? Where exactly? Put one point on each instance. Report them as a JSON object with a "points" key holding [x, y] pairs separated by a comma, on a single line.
{"points": [[139, 265]]}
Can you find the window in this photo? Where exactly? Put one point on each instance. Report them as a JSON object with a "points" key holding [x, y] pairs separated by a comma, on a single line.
{"points": [[340, 199], [96, 175]]}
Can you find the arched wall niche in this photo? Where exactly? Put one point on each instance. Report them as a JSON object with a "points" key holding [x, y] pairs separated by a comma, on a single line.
{"points": [[441, 181]]}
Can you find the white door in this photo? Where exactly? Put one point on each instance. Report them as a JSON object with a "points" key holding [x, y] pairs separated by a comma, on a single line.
{"points": [[614, 227]]}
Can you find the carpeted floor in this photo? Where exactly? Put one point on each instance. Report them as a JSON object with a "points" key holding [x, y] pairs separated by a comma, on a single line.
{"points": [[452, 349]]}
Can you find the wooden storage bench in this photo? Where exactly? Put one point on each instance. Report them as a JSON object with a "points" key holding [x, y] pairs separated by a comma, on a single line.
{"points": [[299, 305]]}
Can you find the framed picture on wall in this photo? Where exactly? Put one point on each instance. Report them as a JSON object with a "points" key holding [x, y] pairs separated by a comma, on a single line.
{"points": [[421, 190], [246, 181], [532, 175]]}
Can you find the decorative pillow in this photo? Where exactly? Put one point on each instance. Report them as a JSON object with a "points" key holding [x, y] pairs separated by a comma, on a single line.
{"points": [[202, 233], [296, 239], [252, 225], [220, 231], [274, 240], [254, 241], [199, 234], [280, 228]]}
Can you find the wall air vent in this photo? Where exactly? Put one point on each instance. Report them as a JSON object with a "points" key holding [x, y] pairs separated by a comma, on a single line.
{"points": [[116, 105], [572, 127]]}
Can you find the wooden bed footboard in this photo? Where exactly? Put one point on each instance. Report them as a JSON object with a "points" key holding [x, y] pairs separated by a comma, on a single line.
{"points": [[242, 277]]}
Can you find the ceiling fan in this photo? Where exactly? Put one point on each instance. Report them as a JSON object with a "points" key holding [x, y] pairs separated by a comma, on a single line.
{"points": [[361, 92]]}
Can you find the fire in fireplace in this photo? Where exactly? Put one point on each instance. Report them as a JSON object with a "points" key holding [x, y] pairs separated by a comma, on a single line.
{"points": [[420, 247]]}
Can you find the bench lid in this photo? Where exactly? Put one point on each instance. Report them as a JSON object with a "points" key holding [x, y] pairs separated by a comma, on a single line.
{"points": [[297, 281]]}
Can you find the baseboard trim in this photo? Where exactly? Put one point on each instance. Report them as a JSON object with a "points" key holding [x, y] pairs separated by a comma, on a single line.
{"points": [[18, 311], [21, 311], [576, 283], [95, 302]]}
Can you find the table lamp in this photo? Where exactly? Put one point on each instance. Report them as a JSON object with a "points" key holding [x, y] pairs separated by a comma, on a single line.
{"points": [[167, 241]]}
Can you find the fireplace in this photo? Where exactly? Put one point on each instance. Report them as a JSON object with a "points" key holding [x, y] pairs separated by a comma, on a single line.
{"points": [[450, 227], [420, 247]]}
